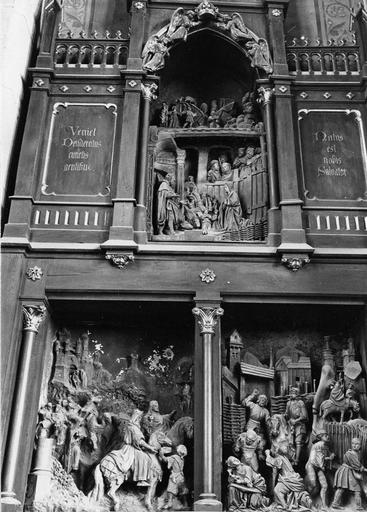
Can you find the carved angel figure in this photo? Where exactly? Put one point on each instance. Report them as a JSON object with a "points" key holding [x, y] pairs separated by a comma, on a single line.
{"points": [[178, 26], [260, 55], [238, 29], [154, 53]]}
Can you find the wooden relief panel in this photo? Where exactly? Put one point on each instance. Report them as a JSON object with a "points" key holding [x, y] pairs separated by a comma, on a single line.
{"points": [[80, 147], [333, 150]]}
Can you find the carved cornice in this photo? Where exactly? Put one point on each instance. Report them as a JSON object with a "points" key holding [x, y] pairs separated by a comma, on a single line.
{"points": [[120, 260], [33, 316], [207, 318], [149, 91], [295, 262]]}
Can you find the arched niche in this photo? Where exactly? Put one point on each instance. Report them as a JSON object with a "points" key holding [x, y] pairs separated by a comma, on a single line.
{"points": [[213, 174], [208, 65]]}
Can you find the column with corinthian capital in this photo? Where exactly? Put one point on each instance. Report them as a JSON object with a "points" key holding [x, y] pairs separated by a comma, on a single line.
{"points": [[33, 315], [207, 468], [149, 91]]}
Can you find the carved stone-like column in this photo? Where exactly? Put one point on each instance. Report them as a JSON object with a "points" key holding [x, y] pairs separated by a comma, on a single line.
{"points": [[33, 315], [149, 94], [207, 321]]}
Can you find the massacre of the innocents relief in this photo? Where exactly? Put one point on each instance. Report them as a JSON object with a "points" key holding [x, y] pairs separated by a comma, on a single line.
{"points": [[116, 418]]}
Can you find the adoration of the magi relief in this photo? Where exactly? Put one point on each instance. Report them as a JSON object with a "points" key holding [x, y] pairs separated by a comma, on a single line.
{"points": [[207, 150]]}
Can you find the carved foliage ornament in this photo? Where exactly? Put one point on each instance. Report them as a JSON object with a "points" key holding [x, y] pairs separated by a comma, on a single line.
{"points": [[34, 273], [157, 47], [120, 260], [149, 91], [33, 316], [207, 318], [295, 263]]}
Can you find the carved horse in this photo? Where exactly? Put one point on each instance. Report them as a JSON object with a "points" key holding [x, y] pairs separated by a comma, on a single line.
{"points": [[108, 471], [330, 408]]}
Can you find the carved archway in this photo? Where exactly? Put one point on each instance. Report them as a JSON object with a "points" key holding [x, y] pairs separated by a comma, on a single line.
{"points": [[205, 15]]}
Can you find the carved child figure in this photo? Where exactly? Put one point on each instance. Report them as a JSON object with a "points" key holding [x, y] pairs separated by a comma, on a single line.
{"points": [[315, 467], [348, 477], [176, 483]]}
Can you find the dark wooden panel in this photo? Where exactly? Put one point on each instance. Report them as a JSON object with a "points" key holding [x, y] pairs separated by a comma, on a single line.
{"points": [[333, 155], [80, 148]]}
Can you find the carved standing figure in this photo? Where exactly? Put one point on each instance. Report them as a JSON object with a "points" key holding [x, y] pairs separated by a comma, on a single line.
{"points": [[297, 417], [169, 215], [259, 416], [315, 467], [230, 213], [348, 477], [214, 172]]}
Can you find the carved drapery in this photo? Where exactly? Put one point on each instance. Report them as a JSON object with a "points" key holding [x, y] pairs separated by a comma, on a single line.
{"points": [[205, 14]]}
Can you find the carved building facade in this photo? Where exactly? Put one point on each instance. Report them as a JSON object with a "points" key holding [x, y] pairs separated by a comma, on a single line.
{"points": [[184, 258]]}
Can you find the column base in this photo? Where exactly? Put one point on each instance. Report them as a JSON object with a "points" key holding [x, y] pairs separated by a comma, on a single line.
{"points": [[9, 502], [207, 502]]}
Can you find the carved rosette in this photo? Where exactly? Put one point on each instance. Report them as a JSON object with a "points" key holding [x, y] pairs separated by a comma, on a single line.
{"points": [[120, 260], [33, 316], [295, 263], [34, 273], [207, 318]]}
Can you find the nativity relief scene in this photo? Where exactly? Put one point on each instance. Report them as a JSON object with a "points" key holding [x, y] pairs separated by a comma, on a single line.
{"points": [[207, 153], [294, 438]]}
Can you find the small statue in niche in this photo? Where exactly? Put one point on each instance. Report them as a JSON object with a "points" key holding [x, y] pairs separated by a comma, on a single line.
{"points": [[289, 491], [259, 416], [315, 467], [348, 477], [185, 397], [297, 417], [46, 422], [214, 172], [249, 118], [246, 487], [230, 211], [164, 115], [174, 120], [176, 484], [248, 446]]}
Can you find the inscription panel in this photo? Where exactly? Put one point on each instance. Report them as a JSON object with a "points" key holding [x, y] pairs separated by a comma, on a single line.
{"points": [[333, 151], [80, 147]]}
